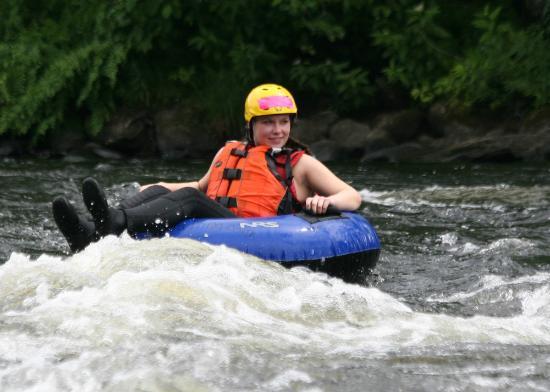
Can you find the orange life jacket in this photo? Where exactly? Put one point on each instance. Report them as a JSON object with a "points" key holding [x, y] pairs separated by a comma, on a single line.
{"points": [[244, 179]]}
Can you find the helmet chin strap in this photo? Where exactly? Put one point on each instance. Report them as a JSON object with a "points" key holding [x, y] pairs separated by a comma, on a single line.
{"points": [[249, 133]]}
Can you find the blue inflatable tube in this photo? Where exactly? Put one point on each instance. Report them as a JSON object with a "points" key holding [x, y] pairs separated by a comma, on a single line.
{"points": [[343, 245]]}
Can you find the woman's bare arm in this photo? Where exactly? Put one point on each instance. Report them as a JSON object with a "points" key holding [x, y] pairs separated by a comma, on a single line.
{"points": [[201, 185], [324, 187]]}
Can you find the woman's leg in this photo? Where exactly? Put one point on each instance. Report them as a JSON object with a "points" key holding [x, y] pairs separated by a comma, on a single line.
{"points": [[159, 215], [145, 196], [155, 216]]}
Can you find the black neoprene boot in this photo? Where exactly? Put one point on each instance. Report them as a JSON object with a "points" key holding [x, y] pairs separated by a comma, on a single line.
{"points": [[107, 220], [77, 230]]}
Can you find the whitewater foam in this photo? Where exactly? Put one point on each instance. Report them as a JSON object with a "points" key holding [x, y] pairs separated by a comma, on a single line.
{"points": [[134, 301]]}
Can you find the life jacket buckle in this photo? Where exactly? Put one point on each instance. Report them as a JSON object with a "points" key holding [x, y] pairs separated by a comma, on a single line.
{"points": [[232, 174], [239, 153]]}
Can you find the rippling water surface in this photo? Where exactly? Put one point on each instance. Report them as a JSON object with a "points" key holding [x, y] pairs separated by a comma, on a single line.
{"points": [[460, 299]]}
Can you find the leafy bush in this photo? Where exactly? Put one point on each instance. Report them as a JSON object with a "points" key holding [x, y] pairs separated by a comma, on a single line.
{"points": [[53, 69], [67, 63], [507, 64], [416, 46]]}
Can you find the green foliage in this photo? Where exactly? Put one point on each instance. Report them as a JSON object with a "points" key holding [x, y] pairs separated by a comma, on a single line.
{"points": [[71, 64], [242, 43], [546, 19], [507, 64], [348, 87], [63, 60], [416, 46]]}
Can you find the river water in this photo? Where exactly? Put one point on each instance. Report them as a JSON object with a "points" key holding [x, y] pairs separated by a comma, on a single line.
{"points": [[459, 301]]}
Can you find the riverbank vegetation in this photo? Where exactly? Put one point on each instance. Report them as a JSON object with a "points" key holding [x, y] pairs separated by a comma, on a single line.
{"points": [[70, 65]]}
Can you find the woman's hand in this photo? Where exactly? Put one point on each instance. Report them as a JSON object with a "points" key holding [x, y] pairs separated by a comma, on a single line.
{"points": [[174, 186], [164, 184], [201, 185], [318, 204], [313, 178]]}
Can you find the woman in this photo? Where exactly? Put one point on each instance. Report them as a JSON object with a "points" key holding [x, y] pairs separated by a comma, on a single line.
{"points": [[261, 176]]}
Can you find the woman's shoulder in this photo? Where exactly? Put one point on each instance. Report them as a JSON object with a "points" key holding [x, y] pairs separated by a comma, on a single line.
{"points": [[306, 159], [306, 164], [295, 156]]}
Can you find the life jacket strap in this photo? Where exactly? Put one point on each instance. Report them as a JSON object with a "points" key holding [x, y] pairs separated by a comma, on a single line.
{"points": [[288, 204], [272, 164], [232, 174], [227, 202]]}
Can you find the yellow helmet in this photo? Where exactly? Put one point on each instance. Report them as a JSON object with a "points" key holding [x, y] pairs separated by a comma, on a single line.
{"points": [[268, 99]]}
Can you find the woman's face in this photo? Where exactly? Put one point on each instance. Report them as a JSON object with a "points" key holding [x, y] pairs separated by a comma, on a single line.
{"points": [[272, 131]]}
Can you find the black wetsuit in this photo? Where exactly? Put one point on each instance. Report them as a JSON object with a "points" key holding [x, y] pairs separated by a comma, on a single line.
{"points": [[159, 214], [154, 211]]}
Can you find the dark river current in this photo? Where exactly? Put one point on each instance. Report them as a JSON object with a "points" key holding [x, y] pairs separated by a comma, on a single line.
{"points": [[459, 301]]}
